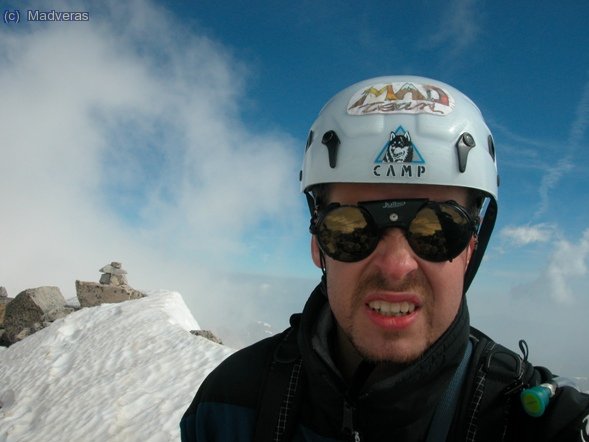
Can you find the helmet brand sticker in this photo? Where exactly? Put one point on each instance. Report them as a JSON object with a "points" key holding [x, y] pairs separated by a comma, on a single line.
{"points": [[395, 98], [400, 150]]}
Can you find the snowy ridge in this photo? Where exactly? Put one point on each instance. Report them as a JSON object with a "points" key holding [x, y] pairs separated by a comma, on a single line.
{"points": [[117, 372]]}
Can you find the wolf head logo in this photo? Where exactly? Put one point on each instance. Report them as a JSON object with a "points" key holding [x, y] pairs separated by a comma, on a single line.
{"points": [[399, 149]]}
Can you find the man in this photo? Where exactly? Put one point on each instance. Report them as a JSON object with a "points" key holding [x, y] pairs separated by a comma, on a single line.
{"points": [[383, 349]]}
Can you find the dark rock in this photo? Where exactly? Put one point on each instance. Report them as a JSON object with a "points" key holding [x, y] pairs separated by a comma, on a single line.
{"points": [[31, 310], [207, 334]]}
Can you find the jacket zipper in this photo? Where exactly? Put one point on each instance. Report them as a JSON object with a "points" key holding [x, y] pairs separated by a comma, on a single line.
{"points": [[348, 422], [349, 412]]}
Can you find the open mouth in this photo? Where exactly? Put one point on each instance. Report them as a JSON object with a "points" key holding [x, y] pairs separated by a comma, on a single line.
{"points": [[392, 308]]}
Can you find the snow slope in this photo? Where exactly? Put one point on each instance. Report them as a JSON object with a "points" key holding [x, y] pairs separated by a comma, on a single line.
{"points": [[117, 372]]}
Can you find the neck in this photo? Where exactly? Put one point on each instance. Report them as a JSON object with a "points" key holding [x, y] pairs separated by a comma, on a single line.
{"points": [[346, 356], [348, 360]]}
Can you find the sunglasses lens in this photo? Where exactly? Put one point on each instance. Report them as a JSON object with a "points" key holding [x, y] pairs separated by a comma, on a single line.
{"points": [[346, 234], [439, 232], [436, 231]]}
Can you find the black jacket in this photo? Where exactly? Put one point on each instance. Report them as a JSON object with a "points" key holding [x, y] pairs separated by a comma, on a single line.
{"points": [[376, 405]]}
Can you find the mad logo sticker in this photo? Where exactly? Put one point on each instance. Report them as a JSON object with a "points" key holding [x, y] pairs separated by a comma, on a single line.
{"points": [[399, 149], [408, 98]]}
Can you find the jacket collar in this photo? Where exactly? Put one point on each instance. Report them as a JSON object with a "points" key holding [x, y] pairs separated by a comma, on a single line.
{"points": [[403, 397]]}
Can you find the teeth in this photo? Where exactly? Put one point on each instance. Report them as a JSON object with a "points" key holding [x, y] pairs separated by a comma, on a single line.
{"points": [[392, 308]]}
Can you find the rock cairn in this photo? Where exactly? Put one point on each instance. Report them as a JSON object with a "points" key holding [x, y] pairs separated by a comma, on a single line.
{"points": [[113, 287], [113, 274]]}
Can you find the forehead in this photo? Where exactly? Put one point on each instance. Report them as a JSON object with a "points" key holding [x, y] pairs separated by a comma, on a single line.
{"points": [[350, 193]]}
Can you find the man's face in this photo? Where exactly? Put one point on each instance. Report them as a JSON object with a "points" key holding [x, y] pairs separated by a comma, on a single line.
{"points": [[363, 295]]}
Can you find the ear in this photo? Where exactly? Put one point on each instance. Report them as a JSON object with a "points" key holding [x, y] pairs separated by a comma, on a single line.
{"points": [[315, 251]]}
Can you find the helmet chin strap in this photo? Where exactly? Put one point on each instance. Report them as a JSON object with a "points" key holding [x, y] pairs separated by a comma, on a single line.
{"points": [[323, 265], [313, 211], [483, 236], [322, 262], [323, 272]]}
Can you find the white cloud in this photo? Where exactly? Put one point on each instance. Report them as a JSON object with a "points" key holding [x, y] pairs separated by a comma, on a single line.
{"points": [[565, 275], [566, 163], [544, 302], [459, 27], [123, 139], [524, 235], [567, 263]]}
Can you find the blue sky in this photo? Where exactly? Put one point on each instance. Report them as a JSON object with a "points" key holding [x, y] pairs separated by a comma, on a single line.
{"points": [[169, 136]]}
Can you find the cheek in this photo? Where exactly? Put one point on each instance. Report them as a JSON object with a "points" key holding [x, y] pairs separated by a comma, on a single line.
{"points": [[341, 283], [335, 298], [447, 283], [451, 281]]}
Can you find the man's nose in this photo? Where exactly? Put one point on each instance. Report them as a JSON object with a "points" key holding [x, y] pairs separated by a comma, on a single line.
{"points": [[394, 255]]}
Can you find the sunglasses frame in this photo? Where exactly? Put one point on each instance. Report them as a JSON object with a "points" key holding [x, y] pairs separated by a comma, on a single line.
{"points": [[396, 213]]}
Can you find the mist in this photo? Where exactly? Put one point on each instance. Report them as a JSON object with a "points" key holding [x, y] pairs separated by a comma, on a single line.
{"points": [[123, 140]]}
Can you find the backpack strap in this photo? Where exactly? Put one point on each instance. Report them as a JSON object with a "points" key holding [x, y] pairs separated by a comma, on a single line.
{"points": [[280, 398], [444, 413], [500, 375]]}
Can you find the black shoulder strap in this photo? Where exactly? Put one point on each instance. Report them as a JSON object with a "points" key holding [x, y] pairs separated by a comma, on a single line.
{"points": [[280, 399], [445, 410]]}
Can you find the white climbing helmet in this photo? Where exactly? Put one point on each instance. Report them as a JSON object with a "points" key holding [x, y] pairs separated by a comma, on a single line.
{"points": [[404, 130], [401, 129]]}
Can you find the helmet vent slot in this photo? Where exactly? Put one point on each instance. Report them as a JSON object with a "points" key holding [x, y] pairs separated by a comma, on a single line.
{"points": [[491, 147], [331, 141], [309, 140], [464, 145]]}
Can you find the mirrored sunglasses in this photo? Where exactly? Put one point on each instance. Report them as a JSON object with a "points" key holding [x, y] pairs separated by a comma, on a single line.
{"points": [[436, 231]]}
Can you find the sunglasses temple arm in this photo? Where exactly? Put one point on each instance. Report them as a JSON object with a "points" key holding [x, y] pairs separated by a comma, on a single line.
{"points": [[312, 229], [312, 211]]}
